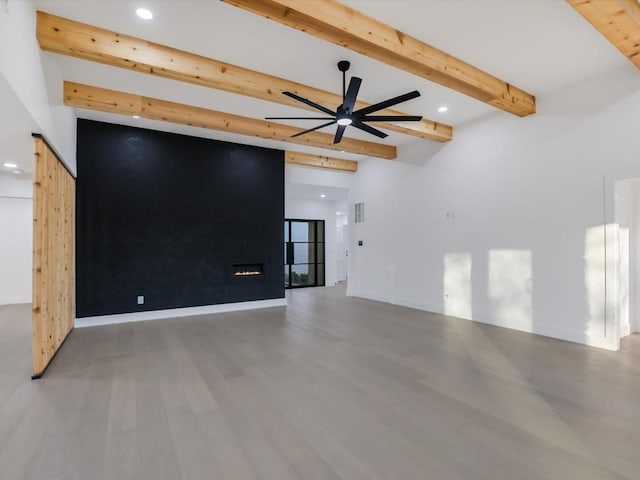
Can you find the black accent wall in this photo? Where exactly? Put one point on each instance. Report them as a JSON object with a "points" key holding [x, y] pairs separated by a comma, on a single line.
{"points": [[167, 216]]}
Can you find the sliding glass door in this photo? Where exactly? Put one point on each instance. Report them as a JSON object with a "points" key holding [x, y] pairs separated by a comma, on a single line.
{"points": [[303, 253]]}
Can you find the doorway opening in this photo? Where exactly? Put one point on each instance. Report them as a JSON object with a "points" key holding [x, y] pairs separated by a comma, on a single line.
{"points": [[625, 283], [304, 253]]}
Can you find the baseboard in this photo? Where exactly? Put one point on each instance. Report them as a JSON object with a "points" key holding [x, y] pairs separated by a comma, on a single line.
{"points": [[590, 338], [625, 330], [403, 302], [14, 300], [177, 312]]}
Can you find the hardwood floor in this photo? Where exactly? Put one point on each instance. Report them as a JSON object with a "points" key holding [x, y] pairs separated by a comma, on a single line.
{"points": [[328, 388]]}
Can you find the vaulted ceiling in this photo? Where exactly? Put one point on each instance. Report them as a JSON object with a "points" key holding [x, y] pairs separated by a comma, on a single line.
{"points": [[537, 46]]}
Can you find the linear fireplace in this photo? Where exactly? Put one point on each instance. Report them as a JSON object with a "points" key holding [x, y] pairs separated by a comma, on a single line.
{"points": [[247, 270]]}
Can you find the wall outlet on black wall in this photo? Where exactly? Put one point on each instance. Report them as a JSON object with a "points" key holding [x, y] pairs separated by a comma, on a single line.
{"points": [[140, 299]]}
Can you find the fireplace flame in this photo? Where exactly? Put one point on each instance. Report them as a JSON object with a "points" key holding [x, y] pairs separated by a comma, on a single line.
{"points": [[247, 273]]}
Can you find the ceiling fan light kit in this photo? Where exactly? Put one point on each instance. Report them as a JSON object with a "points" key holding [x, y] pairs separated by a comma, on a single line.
{"points": [[345, 116]]}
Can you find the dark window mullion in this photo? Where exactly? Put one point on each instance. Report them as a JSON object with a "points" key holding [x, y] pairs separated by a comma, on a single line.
{"points": [[315, 254]]}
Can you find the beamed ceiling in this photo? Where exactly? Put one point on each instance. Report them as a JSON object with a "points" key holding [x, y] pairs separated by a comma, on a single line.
{"points": [[216, 68]]}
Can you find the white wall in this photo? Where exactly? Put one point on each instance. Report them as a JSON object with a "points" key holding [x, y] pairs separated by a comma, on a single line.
{"points": [[16, 224], [625, 230], [634, 248], [318, 210], [21, 64], [295, 174], [627, 215], [504, 224], [16, 185], [342, 241]]}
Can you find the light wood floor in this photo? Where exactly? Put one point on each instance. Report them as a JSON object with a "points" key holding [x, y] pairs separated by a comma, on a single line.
{"points": [[328, 388]]}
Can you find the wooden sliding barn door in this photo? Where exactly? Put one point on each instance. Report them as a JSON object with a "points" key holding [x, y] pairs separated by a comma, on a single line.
{"points": [[53, 255]]}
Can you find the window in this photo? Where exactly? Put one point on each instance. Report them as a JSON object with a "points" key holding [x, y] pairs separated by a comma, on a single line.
{"points": [[303, 253]]}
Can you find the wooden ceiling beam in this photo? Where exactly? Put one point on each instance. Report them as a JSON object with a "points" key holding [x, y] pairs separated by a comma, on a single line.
{"points": [[617, 20], [95, 98], [319, 161], [67, 37], [344, 26]]}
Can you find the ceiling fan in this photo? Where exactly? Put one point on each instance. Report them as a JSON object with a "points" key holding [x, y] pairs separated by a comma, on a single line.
{"points": [[345, 115]]}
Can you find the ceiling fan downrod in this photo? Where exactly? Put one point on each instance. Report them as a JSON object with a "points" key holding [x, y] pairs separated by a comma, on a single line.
{"points": [[343, 66]]}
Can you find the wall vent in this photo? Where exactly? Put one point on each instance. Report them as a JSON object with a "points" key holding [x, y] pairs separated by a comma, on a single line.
{"points": [[359, 213]]}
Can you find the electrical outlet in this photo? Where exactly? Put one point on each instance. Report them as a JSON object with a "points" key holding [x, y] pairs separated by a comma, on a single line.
{"points": [[140, 299]]}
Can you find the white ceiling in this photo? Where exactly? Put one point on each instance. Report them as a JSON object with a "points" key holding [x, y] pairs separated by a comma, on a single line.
{"points": [[537, 45]]}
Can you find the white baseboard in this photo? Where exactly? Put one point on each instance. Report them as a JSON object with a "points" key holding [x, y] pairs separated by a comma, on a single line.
{"points": [[625, 330], [14, 300], [403, 302], [589, 338], [593, 339], [177, 312]]}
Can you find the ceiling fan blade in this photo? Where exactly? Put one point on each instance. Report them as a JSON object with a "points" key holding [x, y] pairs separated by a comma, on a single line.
{"points": [[339, 133], [309, 102], [369, 129], [391, 118], [352, 94], [387, 103], [314, 128], [299, 118]]}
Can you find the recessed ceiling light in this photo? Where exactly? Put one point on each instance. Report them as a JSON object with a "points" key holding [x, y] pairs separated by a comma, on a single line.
{"points": [[443, 109], [338, 213], [10, 165], [17, 171], [144, 13], [322, 195], [136, 116]]}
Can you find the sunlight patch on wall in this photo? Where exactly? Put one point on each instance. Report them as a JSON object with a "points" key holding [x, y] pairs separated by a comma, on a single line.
{"points": [[457, 285], [510, 287], [594, 276]]}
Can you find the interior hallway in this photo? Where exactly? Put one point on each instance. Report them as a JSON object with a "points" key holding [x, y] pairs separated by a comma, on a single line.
{"points": [[328, 388]]}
